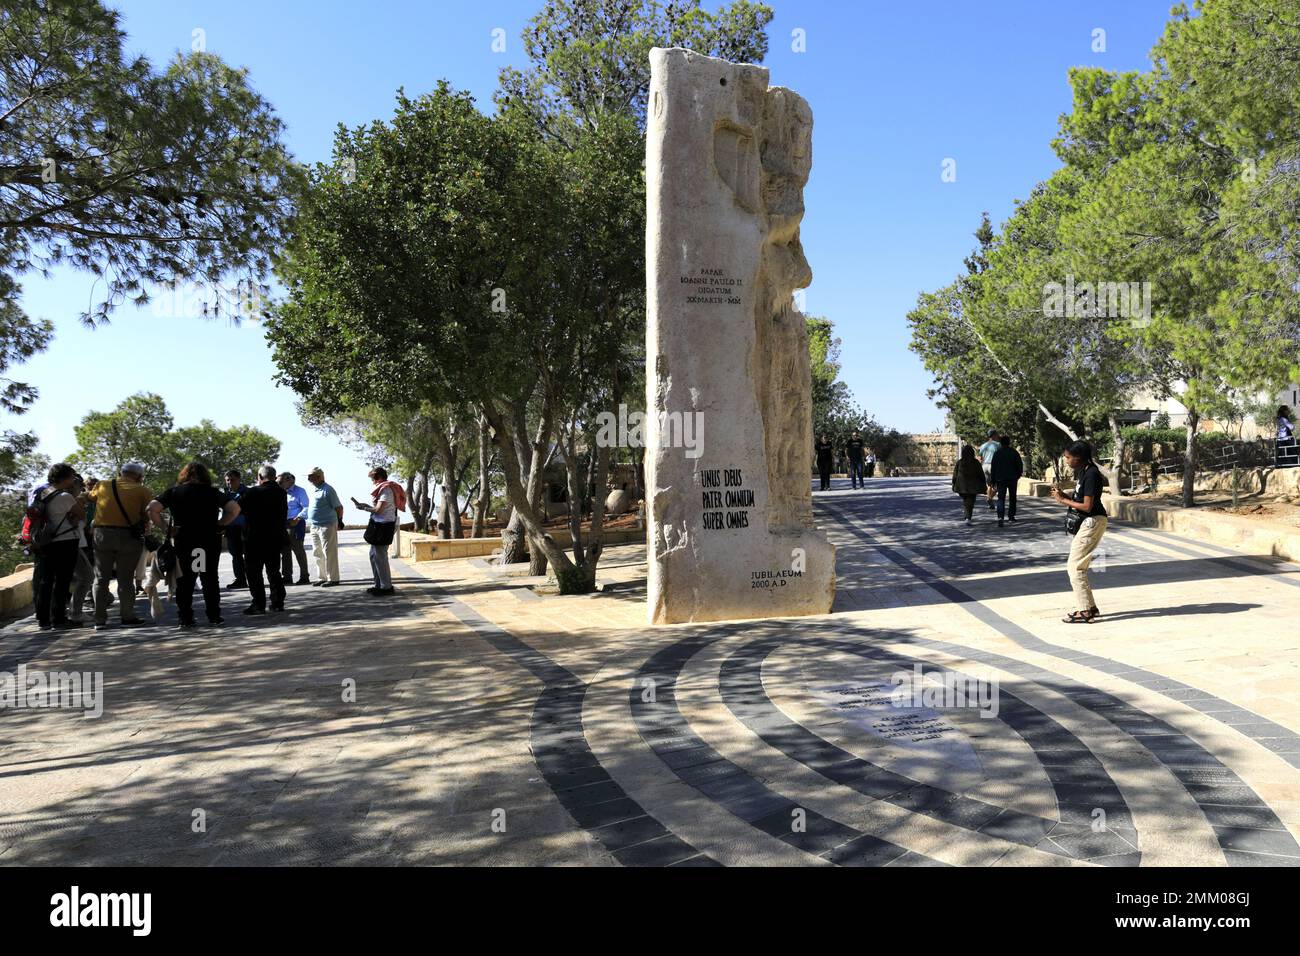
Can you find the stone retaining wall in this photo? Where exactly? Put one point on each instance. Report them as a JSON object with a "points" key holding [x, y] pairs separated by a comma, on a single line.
{"points": [[427, 547], [16, 593]]}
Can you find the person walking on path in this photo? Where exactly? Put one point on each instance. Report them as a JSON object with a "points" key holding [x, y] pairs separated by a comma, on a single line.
{"points": [[235, 488], [1088, 516], [968, 480], [871, 464], [325, 517], [987, 451], [294, 548], [56, 539], [199, 513], [1286, 451], [388, 498], [856, 450], [824, 451], [265, 510], [1007, 468], [121, 515]]}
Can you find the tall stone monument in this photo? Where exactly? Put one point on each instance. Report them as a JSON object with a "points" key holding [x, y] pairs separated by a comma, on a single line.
{"points": [[729, 388]]}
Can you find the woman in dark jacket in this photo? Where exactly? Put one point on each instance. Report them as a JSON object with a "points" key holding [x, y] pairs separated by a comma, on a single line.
{"points": [[968, 480]]}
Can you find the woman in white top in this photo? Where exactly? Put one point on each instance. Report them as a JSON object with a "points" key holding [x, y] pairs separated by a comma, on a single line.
{"points": [[380, 530], [61, 540]]}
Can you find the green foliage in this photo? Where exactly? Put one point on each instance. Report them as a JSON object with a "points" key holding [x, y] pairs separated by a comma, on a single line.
{"points": [[1183, 177], [141, 429], [135, 175], [494, 264], [590, 59]]}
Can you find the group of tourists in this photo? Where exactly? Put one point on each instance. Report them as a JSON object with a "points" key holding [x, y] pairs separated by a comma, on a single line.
{"points": [[861, 460], [83, 530], [996, 469]]}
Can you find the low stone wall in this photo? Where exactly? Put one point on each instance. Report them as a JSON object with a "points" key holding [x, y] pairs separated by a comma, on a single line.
{"points": [[16, 593], [1213, 527], [932, 454], [427, 547], [1280, 483]]}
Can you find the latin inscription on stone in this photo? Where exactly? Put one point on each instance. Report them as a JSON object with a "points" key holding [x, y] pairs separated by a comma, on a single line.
{"points": [[726, 500], [731, 531], [712, 287]]}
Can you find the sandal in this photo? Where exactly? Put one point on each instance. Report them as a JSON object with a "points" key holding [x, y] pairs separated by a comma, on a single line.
{"points": [[1077, 617], [1093, 613]]}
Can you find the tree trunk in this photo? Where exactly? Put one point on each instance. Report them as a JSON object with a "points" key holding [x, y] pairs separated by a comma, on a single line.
{"points": [[543, 548], [1189, 460], [484, 499], [522, 457], [1117, 468]]}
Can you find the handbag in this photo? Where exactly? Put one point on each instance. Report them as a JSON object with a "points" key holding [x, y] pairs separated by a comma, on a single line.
{"points": [[166, 553], [379, 533], [1074, 519]]}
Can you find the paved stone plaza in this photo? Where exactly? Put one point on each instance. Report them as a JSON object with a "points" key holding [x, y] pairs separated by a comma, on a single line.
{"points": [[496, 725]]}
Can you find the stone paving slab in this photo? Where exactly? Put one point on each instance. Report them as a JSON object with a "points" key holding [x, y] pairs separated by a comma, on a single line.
{"points": [[495, 725]]}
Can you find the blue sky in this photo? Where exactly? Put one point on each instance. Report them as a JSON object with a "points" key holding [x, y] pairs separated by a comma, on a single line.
{"points": [[895, 88]]}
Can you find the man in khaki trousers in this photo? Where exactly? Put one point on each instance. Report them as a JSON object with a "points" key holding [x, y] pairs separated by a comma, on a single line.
{"points": [[324, 518]]}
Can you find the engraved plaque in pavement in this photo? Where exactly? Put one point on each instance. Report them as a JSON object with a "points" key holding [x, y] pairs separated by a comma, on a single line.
{"points": [[921, 730]]}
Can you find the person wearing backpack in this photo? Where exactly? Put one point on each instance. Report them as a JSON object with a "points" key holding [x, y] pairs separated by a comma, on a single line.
{"points": [[388, 498], [56, 538], [120, 520]]}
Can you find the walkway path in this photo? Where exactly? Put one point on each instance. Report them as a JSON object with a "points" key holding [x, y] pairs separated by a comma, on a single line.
{"points": [[494, 725]]}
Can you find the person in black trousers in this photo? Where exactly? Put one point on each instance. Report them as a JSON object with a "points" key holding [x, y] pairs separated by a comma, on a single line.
{"points": [[235, 487], [824, 450], [63, 514], [1007, 469], [265, 509], [199, 512]]}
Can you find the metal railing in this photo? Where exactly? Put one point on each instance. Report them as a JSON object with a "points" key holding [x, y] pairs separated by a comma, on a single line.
{"points": [[1261, 453]]}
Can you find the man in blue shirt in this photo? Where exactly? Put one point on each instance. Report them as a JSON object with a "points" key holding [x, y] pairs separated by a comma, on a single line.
{"points": [[235, 487], [297, 522], [987, 451], [325, 515]]}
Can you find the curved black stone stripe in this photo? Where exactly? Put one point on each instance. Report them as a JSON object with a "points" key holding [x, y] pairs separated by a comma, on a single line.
{"points": [[1269, 734], [1242, 821], [593, 798], [1080, 787], [665, 728]]}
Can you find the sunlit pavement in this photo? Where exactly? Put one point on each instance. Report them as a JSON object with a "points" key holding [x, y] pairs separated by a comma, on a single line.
{"points": [[494, 725]]}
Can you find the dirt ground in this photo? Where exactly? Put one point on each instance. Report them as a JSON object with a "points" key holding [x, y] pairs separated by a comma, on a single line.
{"points": [[1257, 507]]}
